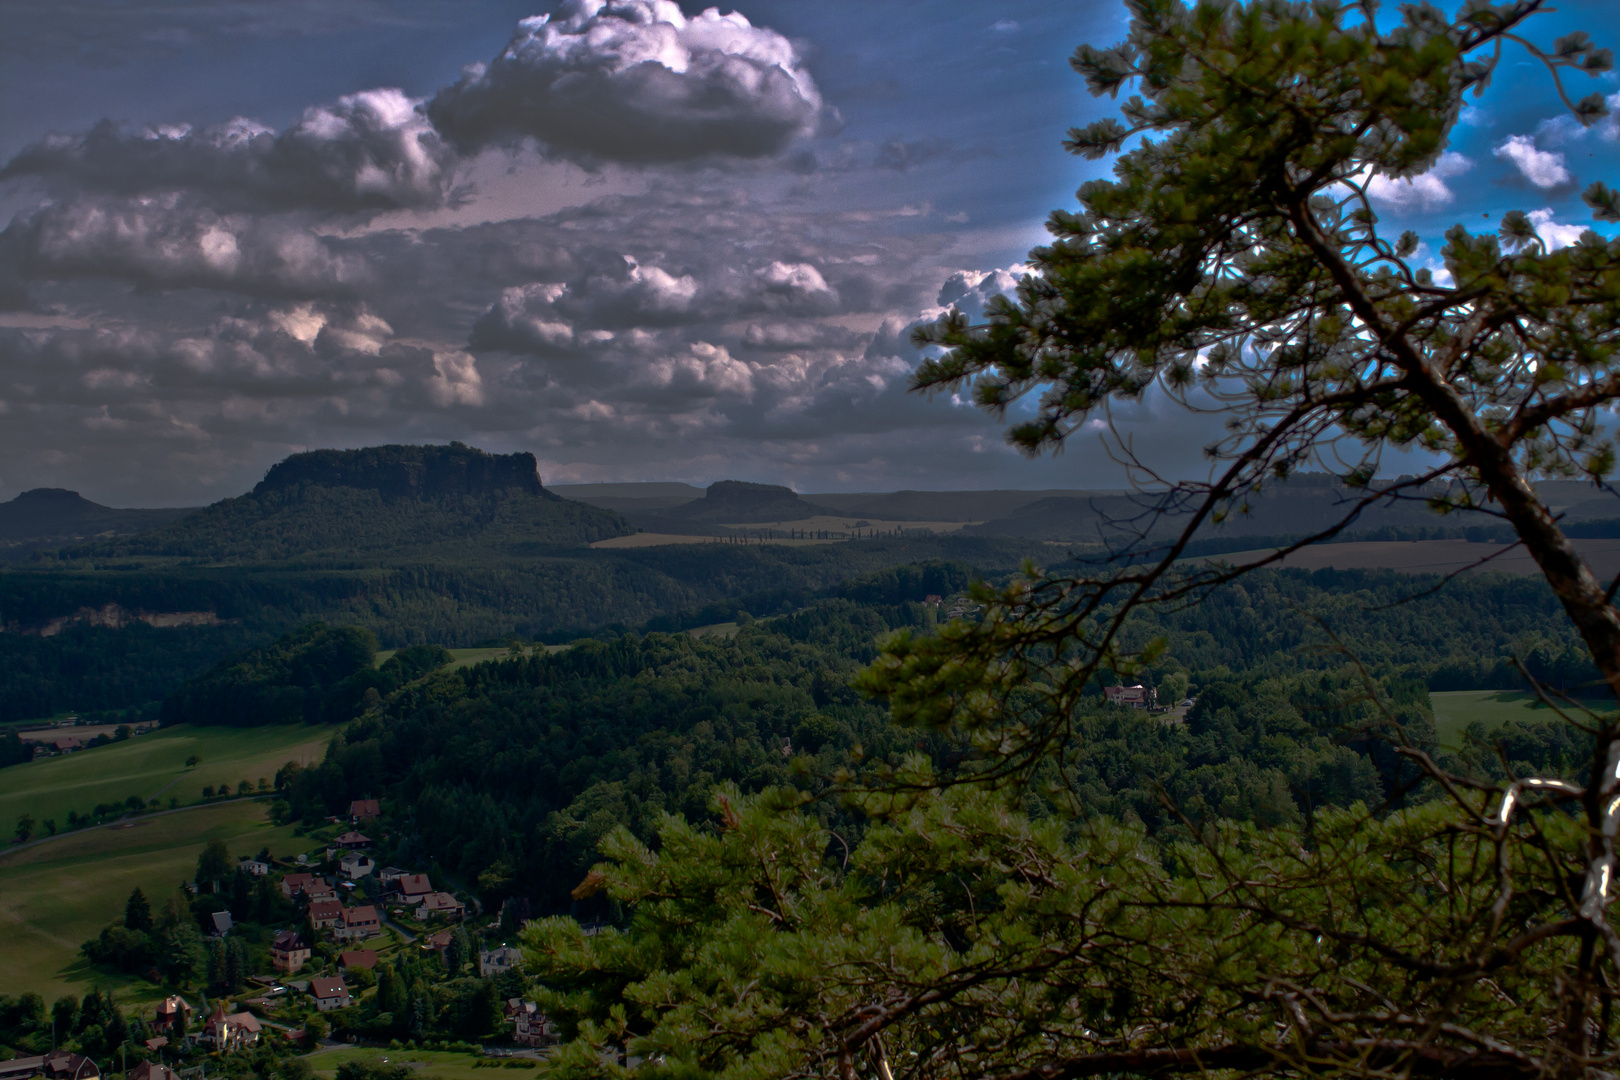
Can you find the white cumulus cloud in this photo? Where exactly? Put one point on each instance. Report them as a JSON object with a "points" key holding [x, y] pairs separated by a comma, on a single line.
{"points": [[635, 81], [1543, 168], [1552, 233], [1427, 191]]}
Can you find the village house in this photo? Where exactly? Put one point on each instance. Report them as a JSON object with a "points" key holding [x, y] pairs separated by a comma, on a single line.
{"points": [[1134, 697], [253, 867], [412, 887], [169, 1011], [151, 1070], [355, 865], [318, 890], [439, 904], [357, 958], [288, 951], [294, 884], [221, 923], [358, 923], [325, 914], [58, 1065], [495, 961], [65, 1066], [389, 874], [364, 810], [329, 994], [156, 1044], [530, 1026], [352, 841], [230, 1031], [439, 941]]}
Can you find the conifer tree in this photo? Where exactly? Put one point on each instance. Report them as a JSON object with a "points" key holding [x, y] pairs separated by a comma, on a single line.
{"points": [[1235, 261]]}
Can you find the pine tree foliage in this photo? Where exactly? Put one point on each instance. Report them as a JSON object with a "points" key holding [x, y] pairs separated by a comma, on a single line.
{"points": [[1460, 928]]}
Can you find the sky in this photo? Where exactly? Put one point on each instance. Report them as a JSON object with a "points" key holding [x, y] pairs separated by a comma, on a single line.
{"points": [[642, 241]]}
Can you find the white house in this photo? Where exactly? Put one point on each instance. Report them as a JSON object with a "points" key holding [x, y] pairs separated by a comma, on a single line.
{"points": [[496, 961], [329, 994], [355, 865]]}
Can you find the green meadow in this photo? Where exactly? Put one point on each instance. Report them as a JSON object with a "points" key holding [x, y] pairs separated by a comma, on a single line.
{"points": [[445, 1065], [154, 767], [1455, 710], [55, 896]]}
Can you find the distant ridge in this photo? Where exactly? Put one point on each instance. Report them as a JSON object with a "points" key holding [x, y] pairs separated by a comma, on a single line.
{"points": [[46, 516], [379, 504], [418, 472]]}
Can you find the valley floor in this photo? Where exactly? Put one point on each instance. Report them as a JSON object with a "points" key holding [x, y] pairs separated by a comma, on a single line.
{"points": [[153, 766]]}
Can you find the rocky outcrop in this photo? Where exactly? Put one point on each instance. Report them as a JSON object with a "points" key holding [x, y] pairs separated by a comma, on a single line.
{"points": [[115, 617], [739, 502]]}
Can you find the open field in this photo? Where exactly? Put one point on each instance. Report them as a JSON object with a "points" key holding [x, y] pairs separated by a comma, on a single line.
{"points": [[55, 896], [153, 766], [1432, 556], [1455, 710], [723, 629], [447, 1066], [51, 734], [469, 657], [850, 524], [649, 539]]}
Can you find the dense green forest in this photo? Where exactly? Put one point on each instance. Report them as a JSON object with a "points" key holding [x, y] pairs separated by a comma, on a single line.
{"points": [[509, 773], [466, 596]]}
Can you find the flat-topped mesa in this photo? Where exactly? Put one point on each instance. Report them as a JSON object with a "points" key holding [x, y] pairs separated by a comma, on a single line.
{"points": [[737, 501], [409, 471]]}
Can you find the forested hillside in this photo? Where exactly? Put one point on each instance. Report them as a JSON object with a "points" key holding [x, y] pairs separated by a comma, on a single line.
{"points": [[510, 772], [454, 595]]}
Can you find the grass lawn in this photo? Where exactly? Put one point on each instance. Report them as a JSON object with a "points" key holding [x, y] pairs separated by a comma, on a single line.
{"points": [[57, 895], [153, 766], [1454, 710], [449, 1066]]}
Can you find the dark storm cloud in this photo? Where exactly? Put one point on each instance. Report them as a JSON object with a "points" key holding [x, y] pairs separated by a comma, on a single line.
{"points": [[635, 81]]}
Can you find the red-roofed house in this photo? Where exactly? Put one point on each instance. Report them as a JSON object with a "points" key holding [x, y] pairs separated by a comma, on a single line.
{"points": [[1135, 697], [364, 810], [170, 1010], [412, 887], [329, 994], [293, 884], [441, 904], [352, 841], [358, 924], [325, 914], [151, 1070], [357, 958]]}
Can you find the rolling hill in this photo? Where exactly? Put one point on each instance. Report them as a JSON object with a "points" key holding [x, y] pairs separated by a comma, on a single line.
{"points": [[47, 517]]}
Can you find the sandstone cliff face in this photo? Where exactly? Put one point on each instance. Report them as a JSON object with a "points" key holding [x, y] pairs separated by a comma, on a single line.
{"points": [[409, 472]]}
